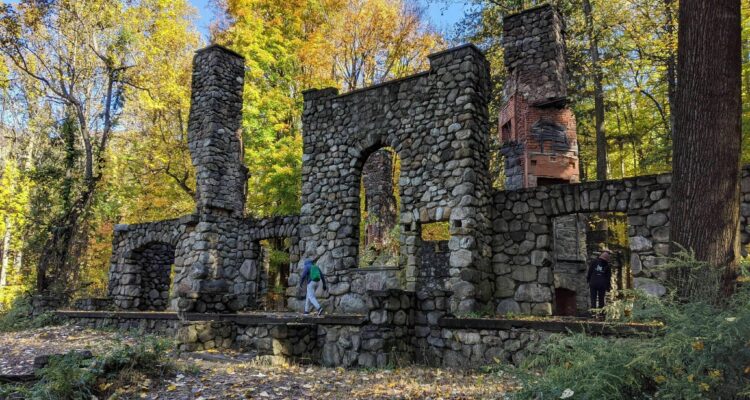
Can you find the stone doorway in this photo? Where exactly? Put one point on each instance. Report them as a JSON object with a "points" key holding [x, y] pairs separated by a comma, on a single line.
{"points": [[578, 239], [274, 276]]}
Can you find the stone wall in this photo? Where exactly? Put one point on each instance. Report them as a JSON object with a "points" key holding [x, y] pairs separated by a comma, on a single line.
{"points": [[163, 326], [468, 348], [215, 252], [206, 335], [216, 262], [523, 249], [435, 267], [130, 280], [437, 122]]}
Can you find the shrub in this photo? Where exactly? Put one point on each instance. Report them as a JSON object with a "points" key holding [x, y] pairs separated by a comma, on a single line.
{"points": [[19, 316], [72, 377], [701, 351]]}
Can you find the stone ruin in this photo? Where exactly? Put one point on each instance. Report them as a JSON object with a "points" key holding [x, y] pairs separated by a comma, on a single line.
{"points": [[501, 252], [517, 250]]}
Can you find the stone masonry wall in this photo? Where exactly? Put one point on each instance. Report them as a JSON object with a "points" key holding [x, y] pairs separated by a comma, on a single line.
{"points": [[437, 122], [523, 252], [235, 242], [129, 274]]}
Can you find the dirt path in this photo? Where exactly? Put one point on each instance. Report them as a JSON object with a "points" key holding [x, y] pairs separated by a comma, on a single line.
{"points": [[236, 376]]}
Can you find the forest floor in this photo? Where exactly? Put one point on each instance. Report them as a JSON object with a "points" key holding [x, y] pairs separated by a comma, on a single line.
{"points": [[226, 375]]}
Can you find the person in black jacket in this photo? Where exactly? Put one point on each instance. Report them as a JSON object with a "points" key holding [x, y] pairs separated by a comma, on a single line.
{"points": [[599, 278]]}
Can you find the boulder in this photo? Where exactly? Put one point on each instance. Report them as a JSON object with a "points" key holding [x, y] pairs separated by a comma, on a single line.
{"points": [[533, 292], [650, 286]]}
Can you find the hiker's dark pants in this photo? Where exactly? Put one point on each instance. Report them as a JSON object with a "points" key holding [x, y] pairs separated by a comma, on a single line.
{"points": [[597, 294]]}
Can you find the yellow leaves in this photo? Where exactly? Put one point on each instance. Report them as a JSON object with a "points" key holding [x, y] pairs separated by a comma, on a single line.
{"points": [[704, 386], [697, 345], [714, 373], [690, 378], [171, 388], [660, 379]]}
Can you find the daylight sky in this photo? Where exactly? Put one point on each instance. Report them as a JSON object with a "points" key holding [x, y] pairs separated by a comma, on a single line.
{"points": [[441, 14]]}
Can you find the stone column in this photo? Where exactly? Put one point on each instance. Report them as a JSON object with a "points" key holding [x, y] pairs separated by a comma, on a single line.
{"points": [[462, 84], [213, 252], [214, 130]]}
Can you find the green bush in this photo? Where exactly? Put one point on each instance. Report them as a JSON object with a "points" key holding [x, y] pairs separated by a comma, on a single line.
{"points": [[19, 316], [701, 351]]}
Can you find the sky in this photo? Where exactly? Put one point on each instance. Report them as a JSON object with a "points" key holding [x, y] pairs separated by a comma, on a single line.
{"points": [[442, 14]]}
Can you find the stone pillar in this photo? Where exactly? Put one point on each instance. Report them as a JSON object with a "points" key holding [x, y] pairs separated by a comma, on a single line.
{"points": [[213, 252], [537, 129], [214, 130], [462, 76]]}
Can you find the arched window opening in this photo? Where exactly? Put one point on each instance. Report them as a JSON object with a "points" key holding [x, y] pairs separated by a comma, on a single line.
{"points": [[379, 240]]}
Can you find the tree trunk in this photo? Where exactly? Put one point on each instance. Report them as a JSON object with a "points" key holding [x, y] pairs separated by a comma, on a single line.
{"points": [[596, 77], [55, 262], [380, 203], [707, 135], [5, 263], [671, 67]]}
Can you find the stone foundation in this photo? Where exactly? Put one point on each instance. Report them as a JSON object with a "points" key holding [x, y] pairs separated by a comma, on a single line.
{"points": [[388, 337]]}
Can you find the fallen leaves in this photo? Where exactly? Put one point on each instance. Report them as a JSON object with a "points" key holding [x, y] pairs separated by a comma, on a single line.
{"points": [[231, 375]]}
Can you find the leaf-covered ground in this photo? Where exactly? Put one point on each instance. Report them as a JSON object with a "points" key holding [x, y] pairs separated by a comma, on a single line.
{"points": [[238, 376]]}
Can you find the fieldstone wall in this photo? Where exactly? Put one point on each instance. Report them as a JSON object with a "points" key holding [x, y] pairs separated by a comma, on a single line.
{"points": [[41, 304], [206, 335], [133, 274], [523, 249], [94, 304], [215, 253], [469, 348], [435, 267], [152, 326], [437, 122]]}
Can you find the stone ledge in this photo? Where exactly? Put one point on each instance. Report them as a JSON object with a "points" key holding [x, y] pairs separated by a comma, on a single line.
{"points": [[240, 318], [580, 326], [293, 319], [118, 314], [378, 268]]}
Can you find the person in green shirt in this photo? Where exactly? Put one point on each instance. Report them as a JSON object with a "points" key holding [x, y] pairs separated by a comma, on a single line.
{"points": [[312, 276]]}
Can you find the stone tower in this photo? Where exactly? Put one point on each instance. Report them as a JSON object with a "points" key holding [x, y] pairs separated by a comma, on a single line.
{"points": [[214, 135], [537, 129]]}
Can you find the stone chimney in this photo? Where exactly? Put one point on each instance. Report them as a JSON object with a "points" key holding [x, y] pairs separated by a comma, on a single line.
{"points": [[214, 135]]}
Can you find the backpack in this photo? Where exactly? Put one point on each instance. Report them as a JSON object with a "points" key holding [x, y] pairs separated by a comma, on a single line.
{"points": [[314, 273]]}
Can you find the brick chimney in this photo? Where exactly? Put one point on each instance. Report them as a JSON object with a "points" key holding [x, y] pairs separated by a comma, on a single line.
{"points": [[537, 129]]}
